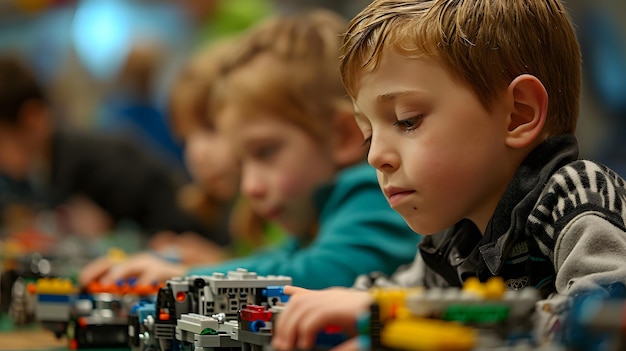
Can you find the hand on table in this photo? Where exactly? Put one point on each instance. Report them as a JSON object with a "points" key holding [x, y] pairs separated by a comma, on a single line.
{"points": [[146, 267], [189, 248]]}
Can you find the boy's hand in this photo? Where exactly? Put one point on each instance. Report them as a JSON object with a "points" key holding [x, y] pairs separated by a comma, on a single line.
{"points": [[308, 312], [146, 267]]}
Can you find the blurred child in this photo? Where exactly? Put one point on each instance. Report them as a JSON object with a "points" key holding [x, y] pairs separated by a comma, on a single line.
{"points": [[108, 178], [469, 109], [282, 106], [213, 168]]}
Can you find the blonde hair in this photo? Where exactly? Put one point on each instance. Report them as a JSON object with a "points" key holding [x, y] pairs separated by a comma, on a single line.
{"points": [[483, 43], [193, 85], [296, 76]]}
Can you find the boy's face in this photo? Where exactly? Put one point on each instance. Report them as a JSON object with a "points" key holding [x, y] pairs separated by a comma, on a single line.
{"points": [[282, 166], [440, 155]]}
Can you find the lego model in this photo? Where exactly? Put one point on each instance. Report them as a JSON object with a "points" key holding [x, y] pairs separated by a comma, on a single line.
{"points": [[202, 310], [91, 318], [237, 311], [479, 316]]}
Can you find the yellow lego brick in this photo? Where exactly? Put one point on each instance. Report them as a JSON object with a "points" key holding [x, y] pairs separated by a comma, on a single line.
{"points": [[416, 334], [56, 286], [493, 289]]}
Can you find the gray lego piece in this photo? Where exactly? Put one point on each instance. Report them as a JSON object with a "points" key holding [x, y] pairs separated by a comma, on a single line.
{"points": [[52, 311], [244, 279], [220, 340], [164, 331], [196, 323], [235, 334], [183, 335], [260, 339], [229, 326]]}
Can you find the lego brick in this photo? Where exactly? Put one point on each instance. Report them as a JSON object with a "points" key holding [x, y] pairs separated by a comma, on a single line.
{"points": [[260, 339], [220, 340], [197, 323], [185, 336], [53, 312]]}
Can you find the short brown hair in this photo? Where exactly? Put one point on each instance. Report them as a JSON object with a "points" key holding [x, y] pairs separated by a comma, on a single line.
{"points": [[484, 43]]}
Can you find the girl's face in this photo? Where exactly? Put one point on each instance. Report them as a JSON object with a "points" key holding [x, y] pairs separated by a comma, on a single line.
{"points": [[282, 166]]}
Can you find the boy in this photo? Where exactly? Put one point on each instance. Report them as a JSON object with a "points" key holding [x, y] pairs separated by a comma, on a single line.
{"points": [[469, 108]]}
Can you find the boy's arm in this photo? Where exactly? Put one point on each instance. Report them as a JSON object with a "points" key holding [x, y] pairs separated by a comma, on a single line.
{"points": [[589, 254], [589, 258]]}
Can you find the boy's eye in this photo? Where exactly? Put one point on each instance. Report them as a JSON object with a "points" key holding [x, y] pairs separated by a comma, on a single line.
{"points": [[409, 124]]}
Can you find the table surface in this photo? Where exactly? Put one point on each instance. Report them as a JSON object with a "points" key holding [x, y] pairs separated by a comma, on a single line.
{"points": [[32, 337]]}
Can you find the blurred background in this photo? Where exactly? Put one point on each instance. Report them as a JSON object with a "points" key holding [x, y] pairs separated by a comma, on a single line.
{"points": [[87, 50], [108, 65], [90, 52], [94, 53]]}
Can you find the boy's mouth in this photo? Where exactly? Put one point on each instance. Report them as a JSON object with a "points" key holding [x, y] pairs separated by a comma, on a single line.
{"points": [[395, 195]]}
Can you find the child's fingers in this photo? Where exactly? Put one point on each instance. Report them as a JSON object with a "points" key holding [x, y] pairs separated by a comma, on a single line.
{"points": [[111, 276], [123, 270], [148, 278], [293, 290], [94, 270], [287, 332], [158, 272], [316, 320]]}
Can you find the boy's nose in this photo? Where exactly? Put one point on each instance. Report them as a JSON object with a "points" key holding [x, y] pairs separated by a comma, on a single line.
{"points": [[380, 155]]}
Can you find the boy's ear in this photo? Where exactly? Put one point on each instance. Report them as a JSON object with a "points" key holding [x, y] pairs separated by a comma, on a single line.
{"points": [[530, 108], [347, 142]]}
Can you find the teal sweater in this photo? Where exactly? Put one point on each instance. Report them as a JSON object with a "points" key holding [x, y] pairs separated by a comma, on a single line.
{"points": [[358, 233]]}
